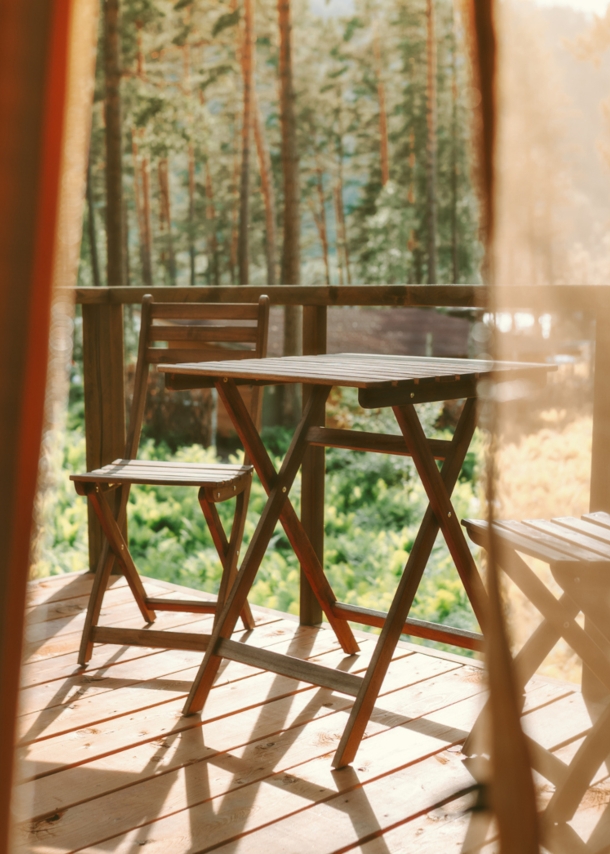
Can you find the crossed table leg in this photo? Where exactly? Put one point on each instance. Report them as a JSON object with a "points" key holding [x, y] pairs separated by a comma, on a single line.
{"points": [[440, 514]]}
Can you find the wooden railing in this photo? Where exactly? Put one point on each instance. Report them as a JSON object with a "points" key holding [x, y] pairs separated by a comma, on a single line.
{"points": [[103, 366]]}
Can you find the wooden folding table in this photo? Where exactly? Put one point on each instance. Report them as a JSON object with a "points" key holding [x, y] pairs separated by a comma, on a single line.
{"points": [[396, 381]]}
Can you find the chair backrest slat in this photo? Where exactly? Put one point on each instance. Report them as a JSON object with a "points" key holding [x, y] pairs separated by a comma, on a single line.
{"points": [[242, 334], [158, 355], [194, 333], [205, 311]]}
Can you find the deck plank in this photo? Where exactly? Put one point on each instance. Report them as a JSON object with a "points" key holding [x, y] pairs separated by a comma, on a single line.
{"points": [[110, 765], [58, 588], [237, 776], [287, 712], [95, 681], [238, 769], [92, 710]]}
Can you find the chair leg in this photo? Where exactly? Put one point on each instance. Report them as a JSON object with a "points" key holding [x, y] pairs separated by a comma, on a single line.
{"points": [[235, 541], [228, 550], [100, 584], [121, 552], [591, 755], [527, 661]]}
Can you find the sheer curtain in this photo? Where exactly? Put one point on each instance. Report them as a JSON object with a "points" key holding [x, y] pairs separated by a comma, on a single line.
{"points": [[46, 85]]}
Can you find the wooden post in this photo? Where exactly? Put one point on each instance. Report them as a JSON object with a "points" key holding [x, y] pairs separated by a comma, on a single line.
{"points": [[313, 471], [599, 499], [600, 451], [104, 399]]}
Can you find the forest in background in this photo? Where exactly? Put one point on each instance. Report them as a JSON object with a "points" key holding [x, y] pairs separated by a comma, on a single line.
{"points": [[256, 142]]}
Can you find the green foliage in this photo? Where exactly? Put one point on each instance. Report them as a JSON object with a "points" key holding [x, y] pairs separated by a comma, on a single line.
{"points": [[229, 19]]}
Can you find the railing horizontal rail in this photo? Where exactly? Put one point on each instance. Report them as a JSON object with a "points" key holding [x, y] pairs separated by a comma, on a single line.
{"points": [[589, 298], [449, 296]]}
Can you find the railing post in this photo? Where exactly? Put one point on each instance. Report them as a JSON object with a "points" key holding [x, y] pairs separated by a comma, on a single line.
{"points": [[313, 470], [104, 398], [600, 450], [592, 689]]}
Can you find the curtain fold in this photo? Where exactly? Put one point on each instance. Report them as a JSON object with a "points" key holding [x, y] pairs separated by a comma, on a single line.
{"points": [[46, 82]]}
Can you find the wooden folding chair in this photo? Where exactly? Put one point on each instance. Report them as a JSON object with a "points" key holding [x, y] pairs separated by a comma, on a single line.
{"points": [[192, 332], [578, 553]]}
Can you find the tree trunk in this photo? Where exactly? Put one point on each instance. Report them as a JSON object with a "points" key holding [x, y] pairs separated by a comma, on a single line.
{"points": [[342, 250], [234, 219], [140, 184], [95, 265], [115, 214], [264, 164], [210, 215], [192, 212], [320, 221], [247, 62], [454, 156], [290, 159], [186, 74], [341, 229], [140, 68], [411, 190], [383, 119], [431, 141], [291, 261], [165, 216], [147, 232]]}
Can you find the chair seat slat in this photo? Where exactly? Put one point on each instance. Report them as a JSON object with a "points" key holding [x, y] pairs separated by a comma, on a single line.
{"points": [[478, 531], [598, 518], [160, 473], [596, 532], [570, 537], [570, 551]]}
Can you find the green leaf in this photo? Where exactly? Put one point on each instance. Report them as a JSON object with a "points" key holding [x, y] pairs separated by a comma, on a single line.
{"points": [[229, 19], [350, 28]]}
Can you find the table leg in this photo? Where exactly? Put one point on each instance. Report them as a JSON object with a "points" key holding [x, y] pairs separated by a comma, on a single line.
{"points": [[277, 507], [440, 501], [291, 523], [407, 588]]}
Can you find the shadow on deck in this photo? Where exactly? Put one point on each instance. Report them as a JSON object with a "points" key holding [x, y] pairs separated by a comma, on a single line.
{"points": [[109, 763]]}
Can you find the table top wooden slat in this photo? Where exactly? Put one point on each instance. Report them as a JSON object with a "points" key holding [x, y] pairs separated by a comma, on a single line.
{"points": [[358, 370]]}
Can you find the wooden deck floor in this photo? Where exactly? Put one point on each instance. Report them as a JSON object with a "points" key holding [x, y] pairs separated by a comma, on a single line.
{"points": [[110, 765]]}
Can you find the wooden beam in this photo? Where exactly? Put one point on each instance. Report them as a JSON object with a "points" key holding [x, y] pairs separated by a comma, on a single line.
{"points": [[287, 665], [450, 296], [314, 467], [588, 298], [150, 638], [416, 628], [377, 443], [600, 450], [104, 400]]}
